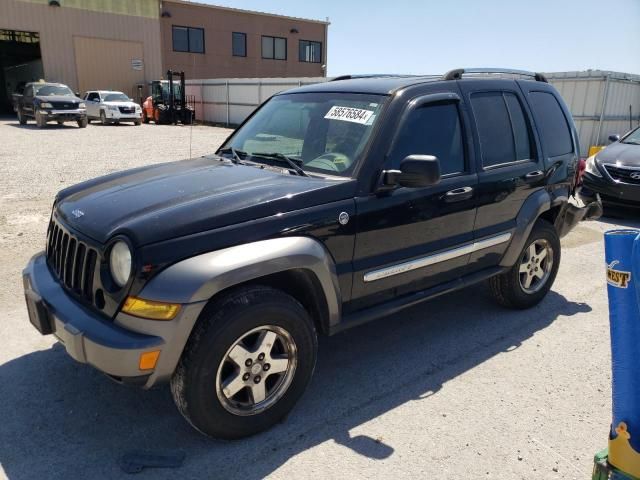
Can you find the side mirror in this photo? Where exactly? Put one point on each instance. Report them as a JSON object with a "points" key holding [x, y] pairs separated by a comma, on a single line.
{"points": [[416, 171], [614, 138], [77, 94]]}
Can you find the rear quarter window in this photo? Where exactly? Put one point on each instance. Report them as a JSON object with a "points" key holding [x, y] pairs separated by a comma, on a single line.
{"points": [[552, 124]]}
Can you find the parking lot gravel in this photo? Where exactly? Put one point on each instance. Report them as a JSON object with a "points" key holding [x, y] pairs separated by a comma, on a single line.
{"points": [[457, 388]]}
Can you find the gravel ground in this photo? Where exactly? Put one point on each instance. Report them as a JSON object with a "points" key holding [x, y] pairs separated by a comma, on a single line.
{"points": [[455, 389]]}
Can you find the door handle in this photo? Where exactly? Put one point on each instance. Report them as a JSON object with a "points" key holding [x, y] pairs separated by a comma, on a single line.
{"points": [[458, 194], [534, 176]]}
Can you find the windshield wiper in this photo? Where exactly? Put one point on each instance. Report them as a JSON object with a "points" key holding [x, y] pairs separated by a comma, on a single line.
{"points": [[235, 154], [631, 143], [294, 163]]}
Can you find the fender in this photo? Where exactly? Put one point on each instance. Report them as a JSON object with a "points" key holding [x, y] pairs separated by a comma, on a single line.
{"points": [[199, 278], [536, 204]]}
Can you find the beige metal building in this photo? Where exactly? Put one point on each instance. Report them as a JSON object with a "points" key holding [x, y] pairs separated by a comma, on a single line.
{"points": [[207, 41], [119, 44], [97, 44]]}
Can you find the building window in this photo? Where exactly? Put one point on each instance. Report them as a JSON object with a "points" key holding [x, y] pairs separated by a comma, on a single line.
{"points": [[188, 39], [274, 48], [239, 44], [310, 51]]}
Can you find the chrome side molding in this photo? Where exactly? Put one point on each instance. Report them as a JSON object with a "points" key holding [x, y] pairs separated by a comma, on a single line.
{"points": [[422, 262]]}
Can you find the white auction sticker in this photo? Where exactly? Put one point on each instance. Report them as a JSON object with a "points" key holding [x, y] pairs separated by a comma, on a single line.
{"points": [[348, 114]]}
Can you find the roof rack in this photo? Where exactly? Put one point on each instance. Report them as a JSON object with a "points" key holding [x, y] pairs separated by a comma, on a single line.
{"points": [[459, 72], [372, 75]]}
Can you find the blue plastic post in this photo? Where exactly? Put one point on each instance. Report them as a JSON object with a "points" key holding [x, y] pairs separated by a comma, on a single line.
{"points": [[622, 254]]}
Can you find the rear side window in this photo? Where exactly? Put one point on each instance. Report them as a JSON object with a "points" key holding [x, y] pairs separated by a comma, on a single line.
{"points": [[502, 128], [552, 124], [433, 130]]}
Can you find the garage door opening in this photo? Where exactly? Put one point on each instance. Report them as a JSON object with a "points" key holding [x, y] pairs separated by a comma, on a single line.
{"points": [[20, 62]]}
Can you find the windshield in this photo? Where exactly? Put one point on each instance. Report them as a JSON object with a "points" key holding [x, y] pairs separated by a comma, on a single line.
{"points": [[176, 89], [322, 132], [49, 90], [633, 137], [116, 97]]}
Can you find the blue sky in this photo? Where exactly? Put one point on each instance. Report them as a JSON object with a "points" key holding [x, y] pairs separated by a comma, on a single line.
{"points": [[402, 36]]}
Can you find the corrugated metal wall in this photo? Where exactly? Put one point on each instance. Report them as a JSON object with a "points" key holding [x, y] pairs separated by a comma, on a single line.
{"points": [[58, 26], [600, 103], [230, 101]]}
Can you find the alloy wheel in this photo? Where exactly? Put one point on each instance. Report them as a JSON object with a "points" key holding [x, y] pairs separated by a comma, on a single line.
{"points": [[257, 370], [536, 265]]}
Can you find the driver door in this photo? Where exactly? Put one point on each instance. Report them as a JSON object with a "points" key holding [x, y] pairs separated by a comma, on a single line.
{"points": [[411, 239]]}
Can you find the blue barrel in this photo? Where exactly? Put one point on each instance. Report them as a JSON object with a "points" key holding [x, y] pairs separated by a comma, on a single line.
{"points": [[622, 254]]}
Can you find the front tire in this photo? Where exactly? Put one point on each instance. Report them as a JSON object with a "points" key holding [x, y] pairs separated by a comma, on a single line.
{"points": [[103, 118], [247, 362], [40, 121], [83, 122], [531, 278]]}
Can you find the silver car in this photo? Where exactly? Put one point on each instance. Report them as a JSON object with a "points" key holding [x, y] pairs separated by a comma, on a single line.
{"points": [[112, 107]]}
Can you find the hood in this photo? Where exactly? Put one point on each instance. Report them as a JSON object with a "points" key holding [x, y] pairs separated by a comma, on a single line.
{"points": [[121, 103], [622, 154], [58, 98], [170, 200]]}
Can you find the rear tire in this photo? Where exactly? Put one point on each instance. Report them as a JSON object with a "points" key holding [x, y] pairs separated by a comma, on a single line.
{"points": [[531, 278], [222, 386], [22, 120]]}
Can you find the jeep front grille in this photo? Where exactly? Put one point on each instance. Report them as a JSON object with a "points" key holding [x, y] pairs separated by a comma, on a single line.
{"points": [[626, 175], [72, 260]]}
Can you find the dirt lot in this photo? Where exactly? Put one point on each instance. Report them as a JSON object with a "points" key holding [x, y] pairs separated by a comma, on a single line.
{"points": [[455, 389]]}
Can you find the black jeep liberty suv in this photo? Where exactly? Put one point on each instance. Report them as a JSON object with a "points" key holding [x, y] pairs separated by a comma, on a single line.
{"points": [[331, 205]]}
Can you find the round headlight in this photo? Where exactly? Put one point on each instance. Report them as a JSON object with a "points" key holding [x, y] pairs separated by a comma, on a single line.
{"points": [[82, 105], [120, 263]]}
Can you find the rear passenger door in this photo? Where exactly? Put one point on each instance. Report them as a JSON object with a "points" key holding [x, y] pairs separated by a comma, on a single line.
{"points": [[510, 166]]}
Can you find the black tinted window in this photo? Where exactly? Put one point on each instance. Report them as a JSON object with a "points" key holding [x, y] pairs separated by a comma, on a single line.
{"points": [[239, 47], [188, 39], [552, 124], [520, 128], [433, 130], [180, 39], [494, 128]]}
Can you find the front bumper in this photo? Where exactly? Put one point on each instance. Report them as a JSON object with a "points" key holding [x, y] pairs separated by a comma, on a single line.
{"points": [[112, 346], [118, 115], [64, 115], [613, 192]]}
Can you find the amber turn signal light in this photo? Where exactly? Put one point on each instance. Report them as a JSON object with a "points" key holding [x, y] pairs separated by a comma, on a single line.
{"points": [[140, 307], [148, 360]]}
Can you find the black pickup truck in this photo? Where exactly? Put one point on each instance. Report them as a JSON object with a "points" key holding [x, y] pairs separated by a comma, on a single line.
{"points": [[49, 102], [332, 205]]}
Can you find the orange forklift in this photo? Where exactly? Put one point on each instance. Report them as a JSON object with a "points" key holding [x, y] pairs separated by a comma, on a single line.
{"points": [[168, 102]]}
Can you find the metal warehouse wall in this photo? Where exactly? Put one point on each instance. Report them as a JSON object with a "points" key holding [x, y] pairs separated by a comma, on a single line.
{"points": [[599, 102], [230, 101], [61, 27]]}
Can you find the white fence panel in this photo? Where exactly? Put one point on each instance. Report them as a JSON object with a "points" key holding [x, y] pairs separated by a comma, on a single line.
{"points": [[229, 101]]}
